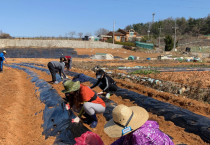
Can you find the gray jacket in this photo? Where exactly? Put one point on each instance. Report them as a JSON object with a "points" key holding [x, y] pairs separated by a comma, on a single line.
{"points": [[59, 66]]}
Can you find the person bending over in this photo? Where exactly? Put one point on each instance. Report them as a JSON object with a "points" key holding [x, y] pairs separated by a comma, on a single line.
{"points": [[105, 82], [54, 67], [2, 59], [81, 96], [67, 60]]}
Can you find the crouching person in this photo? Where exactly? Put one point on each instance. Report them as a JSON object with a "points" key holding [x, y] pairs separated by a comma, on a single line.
{"points": [[105, 82], [131, 124], [79, 96]]}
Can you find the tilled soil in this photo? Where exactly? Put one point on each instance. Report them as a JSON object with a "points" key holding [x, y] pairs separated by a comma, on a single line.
{"points": [[120, 52], [33, 134], [21, 110], [194, 79], [199, 79], [177, 133]]}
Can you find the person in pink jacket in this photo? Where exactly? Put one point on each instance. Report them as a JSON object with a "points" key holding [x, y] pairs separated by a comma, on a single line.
{"points": [[131, 124]]}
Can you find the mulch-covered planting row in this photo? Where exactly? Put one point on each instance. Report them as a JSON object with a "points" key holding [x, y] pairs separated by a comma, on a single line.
{"points": [[161, 120]]}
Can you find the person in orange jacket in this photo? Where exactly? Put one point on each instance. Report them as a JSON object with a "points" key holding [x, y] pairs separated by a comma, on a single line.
{"points": [[78, 94]]}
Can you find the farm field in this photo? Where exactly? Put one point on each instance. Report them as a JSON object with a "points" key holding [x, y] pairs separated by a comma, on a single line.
{"points": [[21, 111]]}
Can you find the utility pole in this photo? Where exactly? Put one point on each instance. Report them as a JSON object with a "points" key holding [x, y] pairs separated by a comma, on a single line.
{"points": [[153, 17], [150, 24], [148, 33], [175, 28], [159, 35], [113, 31]]}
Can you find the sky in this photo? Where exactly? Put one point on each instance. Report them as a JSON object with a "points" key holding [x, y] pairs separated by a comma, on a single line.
{"points": [[34, 18]]}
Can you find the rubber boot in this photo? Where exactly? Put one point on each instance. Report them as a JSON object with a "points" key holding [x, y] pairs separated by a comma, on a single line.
{"points": [[94, 121]]}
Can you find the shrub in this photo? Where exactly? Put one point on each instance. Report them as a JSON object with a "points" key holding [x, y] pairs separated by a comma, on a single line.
{"points": [[144, 39], [126, 43], [5, 35], [110, 40], [169, 43]]}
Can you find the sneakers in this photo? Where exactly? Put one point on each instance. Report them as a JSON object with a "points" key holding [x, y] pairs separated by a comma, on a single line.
{"points": [[55, 82], [94, 124], [94, 121]]}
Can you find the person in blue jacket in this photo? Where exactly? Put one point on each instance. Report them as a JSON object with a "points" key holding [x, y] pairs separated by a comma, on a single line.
{"points": [[2, 59]]}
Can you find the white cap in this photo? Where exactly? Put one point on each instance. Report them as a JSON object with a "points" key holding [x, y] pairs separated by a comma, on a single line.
{"points": [[4, 51]]}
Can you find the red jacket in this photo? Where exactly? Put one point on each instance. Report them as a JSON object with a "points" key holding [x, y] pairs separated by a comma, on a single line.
{"points": [[86, 94]]}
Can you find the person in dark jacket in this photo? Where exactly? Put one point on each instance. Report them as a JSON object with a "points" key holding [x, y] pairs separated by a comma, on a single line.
{"points": [[2, 59], [105, 82], [54, 67], [67, 60]]}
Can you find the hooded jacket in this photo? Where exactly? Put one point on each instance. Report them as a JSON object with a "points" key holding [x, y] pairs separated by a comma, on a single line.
{"points": [[107, 84]]}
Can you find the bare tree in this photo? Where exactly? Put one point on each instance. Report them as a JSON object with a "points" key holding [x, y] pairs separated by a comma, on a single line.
{"points": [[80, 34], [101, 31], [88, 34], [72, 34], [5, 35]]}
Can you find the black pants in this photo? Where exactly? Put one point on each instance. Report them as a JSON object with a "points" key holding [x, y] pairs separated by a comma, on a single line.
{"points": [[68, 64], [52, 71], [111, 89]]}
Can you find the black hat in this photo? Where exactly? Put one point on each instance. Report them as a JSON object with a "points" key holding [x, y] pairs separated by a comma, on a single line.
{"points": [[99, 73], [62, 59]]}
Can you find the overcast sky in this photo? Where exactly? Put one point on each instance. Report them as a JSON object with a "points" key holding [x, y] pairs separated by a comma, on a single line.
{"points": [[32, 18]]}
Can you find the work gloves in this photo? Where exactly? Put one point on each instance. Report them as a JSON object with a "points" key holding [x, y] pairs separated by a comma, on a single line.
{"points": [[67, 107], [65, 77], [75, 120]]}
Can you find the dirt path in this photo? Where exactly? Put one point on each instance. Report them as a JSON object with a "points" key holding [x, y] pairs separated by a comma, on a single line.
{"points": [[178, 134], [20, 110]]}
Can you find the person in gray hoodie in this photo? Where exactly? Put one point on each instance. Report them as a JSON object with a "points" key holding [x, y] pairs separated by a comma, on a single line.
{"points": [[54, 67]]}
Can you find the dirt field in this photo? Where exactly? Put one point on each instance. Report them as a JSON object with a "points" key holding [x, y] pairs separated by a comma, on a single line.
{"points": [[20, 121], [21, 110]]}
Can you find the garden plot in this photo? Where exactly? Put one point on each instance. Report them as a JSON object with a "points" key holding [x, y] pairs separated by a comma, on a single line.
{"points": [[180, 135], [191, 122]]}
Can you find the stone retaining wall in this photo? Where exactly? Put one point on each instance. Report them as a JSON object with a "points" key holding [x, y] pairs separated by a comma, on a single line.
{"points": [[25, 43]]}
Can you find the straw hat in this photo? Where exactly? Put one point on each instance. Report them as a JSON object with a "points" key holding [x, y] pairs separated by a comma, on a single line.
{"points": [[71, 86], [134, 117]]}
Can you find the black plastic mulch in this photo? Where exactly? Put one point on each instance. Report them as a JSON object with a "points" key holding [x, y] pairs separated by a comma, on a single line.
{"points": [[42, 53]]}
